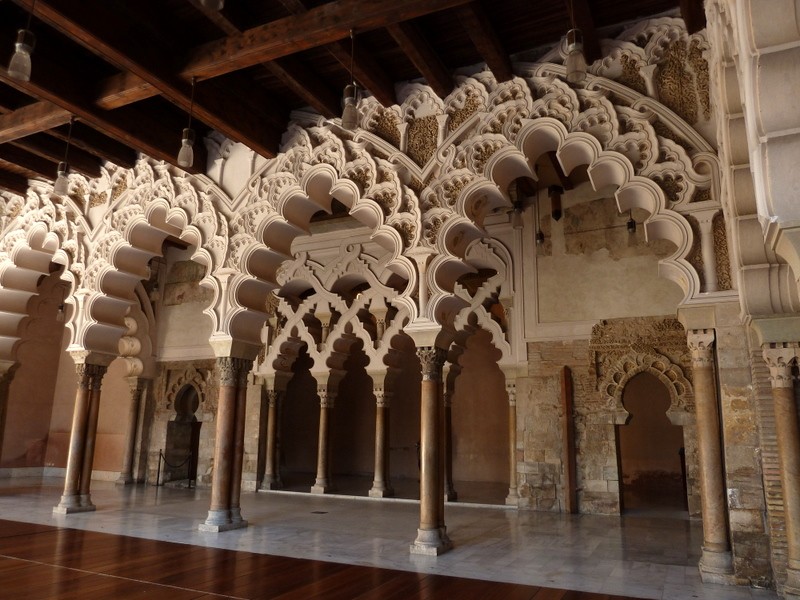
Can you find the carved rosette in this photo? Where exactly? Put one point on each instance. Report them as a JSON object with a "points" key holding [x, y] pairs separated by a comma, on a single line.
{"points": [[432, 360], [701, 345], [780, 359]]}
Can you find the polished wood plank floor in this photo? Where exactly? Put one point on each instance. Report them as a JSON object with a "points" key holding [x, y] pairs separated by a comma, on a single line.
{"points": [[40, 561]]}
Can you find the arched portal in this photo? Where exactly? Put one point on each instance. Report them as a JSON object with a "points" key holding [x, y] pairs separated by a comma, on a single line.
{"points": [[650, 449], [183, 437], [480, 445]]}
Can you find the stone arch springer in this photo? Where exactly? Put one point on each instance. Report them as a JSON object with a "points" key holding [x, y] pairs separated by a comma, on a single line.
{"points": [[670, 374]]}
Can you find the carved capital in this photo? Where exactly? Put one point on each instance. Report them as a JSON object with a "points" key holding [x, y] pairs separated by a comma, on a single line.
{"points": [[226, 368], [327, 398], [272, 398], [243, 368], [82, 369], [780, 358], [511, 390], [432, 360], [95, 374], [701, 345], [382, 398]]}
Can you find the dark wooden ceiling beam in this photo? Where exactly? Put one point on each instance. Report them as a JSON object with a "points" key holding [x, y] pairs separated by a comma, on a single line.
{"points": [[581, 18], [12, 182], [37, 165], [51, 149], [423, 56], [316, 27], [476, 23], [31, 119], [693, 14], [92, 141], [305, 85], [366, 71], [97, 26]]}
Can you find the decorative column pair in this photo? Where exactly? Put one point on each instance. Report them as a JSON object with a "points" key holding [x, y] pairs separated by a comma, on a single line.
{"points": [[324, 483], [781, 358], [716, 563], [137, 387], [226, 485], [77, 482], [432, 533]]}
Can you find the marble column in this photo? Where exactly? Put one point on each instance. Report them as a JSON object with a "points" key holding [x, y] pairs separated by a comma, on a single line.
{"points": [[323, 483], [380, 482], [91, 436], [243, 368], [272, 478], [450, 493], [780, 358], [513, 496], [70, 499], [716, 563], [219, 514], [430, 540], [126, 474]]}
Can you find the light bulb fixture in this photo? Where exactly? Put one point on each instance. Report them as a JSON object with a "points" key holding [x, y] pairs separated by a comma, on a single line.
{"points": [[213, 4], [61, 187], [555, 191], [576, 62], [631, 224], [516, 218], [539, 237], [186, 153], [19, 67], [350, 96]]}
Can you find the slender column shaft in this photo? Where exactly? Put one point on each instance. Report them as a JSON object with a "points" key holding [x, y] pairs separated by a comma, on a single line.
{"points": [[219, 513], [323, 484], [126, 474], [91, 434], [244, 368], [780, 360], [716, 562], [77, 442], [271, 478], [441, 439], [430, 539], [513, 496], [380, 482], [450, 493]]}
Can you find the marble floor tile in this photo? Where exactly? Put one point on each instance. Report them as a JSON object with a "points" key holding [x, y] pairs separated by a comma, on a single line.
{"points": [[649, 557]]}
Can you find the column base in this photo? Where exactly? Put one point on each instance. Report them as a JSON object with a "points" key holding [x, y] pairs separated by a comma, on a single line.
{"points": [[72, 504], [216, 528], [431, 542], [271, 485], [322, 488], [512, 499], [385, 492], [716, 567], [791, 589], [236, 517], [125, 480], [450, 495]]}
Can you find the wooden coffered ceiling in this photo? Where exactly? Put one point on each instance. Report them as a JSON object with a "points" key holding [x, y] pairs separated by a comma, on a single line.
{"points": [[123, 69]]}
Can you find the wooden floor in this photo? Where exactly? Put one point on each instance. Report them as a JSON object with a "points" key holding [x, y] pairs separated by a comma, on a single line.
{"points": [[40, 561]]}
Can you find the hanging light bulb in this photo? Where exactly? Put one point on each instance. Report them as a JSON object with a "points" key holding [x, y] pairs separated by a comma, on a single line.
{"points": [[539, 237], [576, 63], [186, 153], [20, 66], [61, 187], [631, 224], [350, 97], [213, 4]]}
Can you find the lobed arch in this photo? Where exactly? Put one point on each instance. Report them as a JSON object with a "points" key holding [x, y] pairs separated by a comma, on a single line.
{"points": [[670, 374]]}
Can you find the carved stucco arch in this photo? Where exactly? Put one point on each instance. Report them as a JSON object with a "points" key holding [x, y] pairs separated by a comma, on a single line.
{"points": [[671, 375]]}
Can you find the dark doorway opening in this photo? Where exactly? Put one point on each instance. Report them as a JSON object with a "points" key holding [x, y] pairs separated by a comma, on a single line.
{"points": [[183, 438]]}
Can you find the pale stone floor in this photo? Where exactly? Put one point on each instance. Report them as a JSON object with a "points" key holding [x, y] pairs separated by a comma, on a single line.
{"points": [[648, 557]]}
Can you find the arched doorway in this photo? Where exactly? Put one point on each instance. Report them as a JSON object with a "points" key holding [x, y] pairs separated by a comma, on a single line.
{"points": [[650, 450], [183, 438]]}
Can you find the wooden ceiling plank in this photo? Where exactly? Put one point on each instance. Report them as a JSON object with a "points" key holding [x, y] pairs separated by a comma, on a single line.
{"points": [[28, 161], [31, 119], [93, 25], [581, 18], [318, 26], [476, 23], [88, 139], [423, 56], [11, 182], [49, 148], [305, 85]]}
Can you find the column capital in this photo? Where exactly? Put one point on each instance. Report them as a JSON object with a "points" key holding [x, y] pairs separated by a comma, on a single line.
{"points": [[382, 398], [780, 358], [511, 390], [701, 345], [95, 374], [327, 398], [272, 397], [243, 368], [432, 359]]}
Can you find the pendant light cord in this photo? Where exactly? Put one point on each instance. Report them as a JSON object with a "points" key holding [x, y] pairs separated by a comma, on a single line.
{"points": [[30, 15], [352, 56], [191, 102], [69, 137]]}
